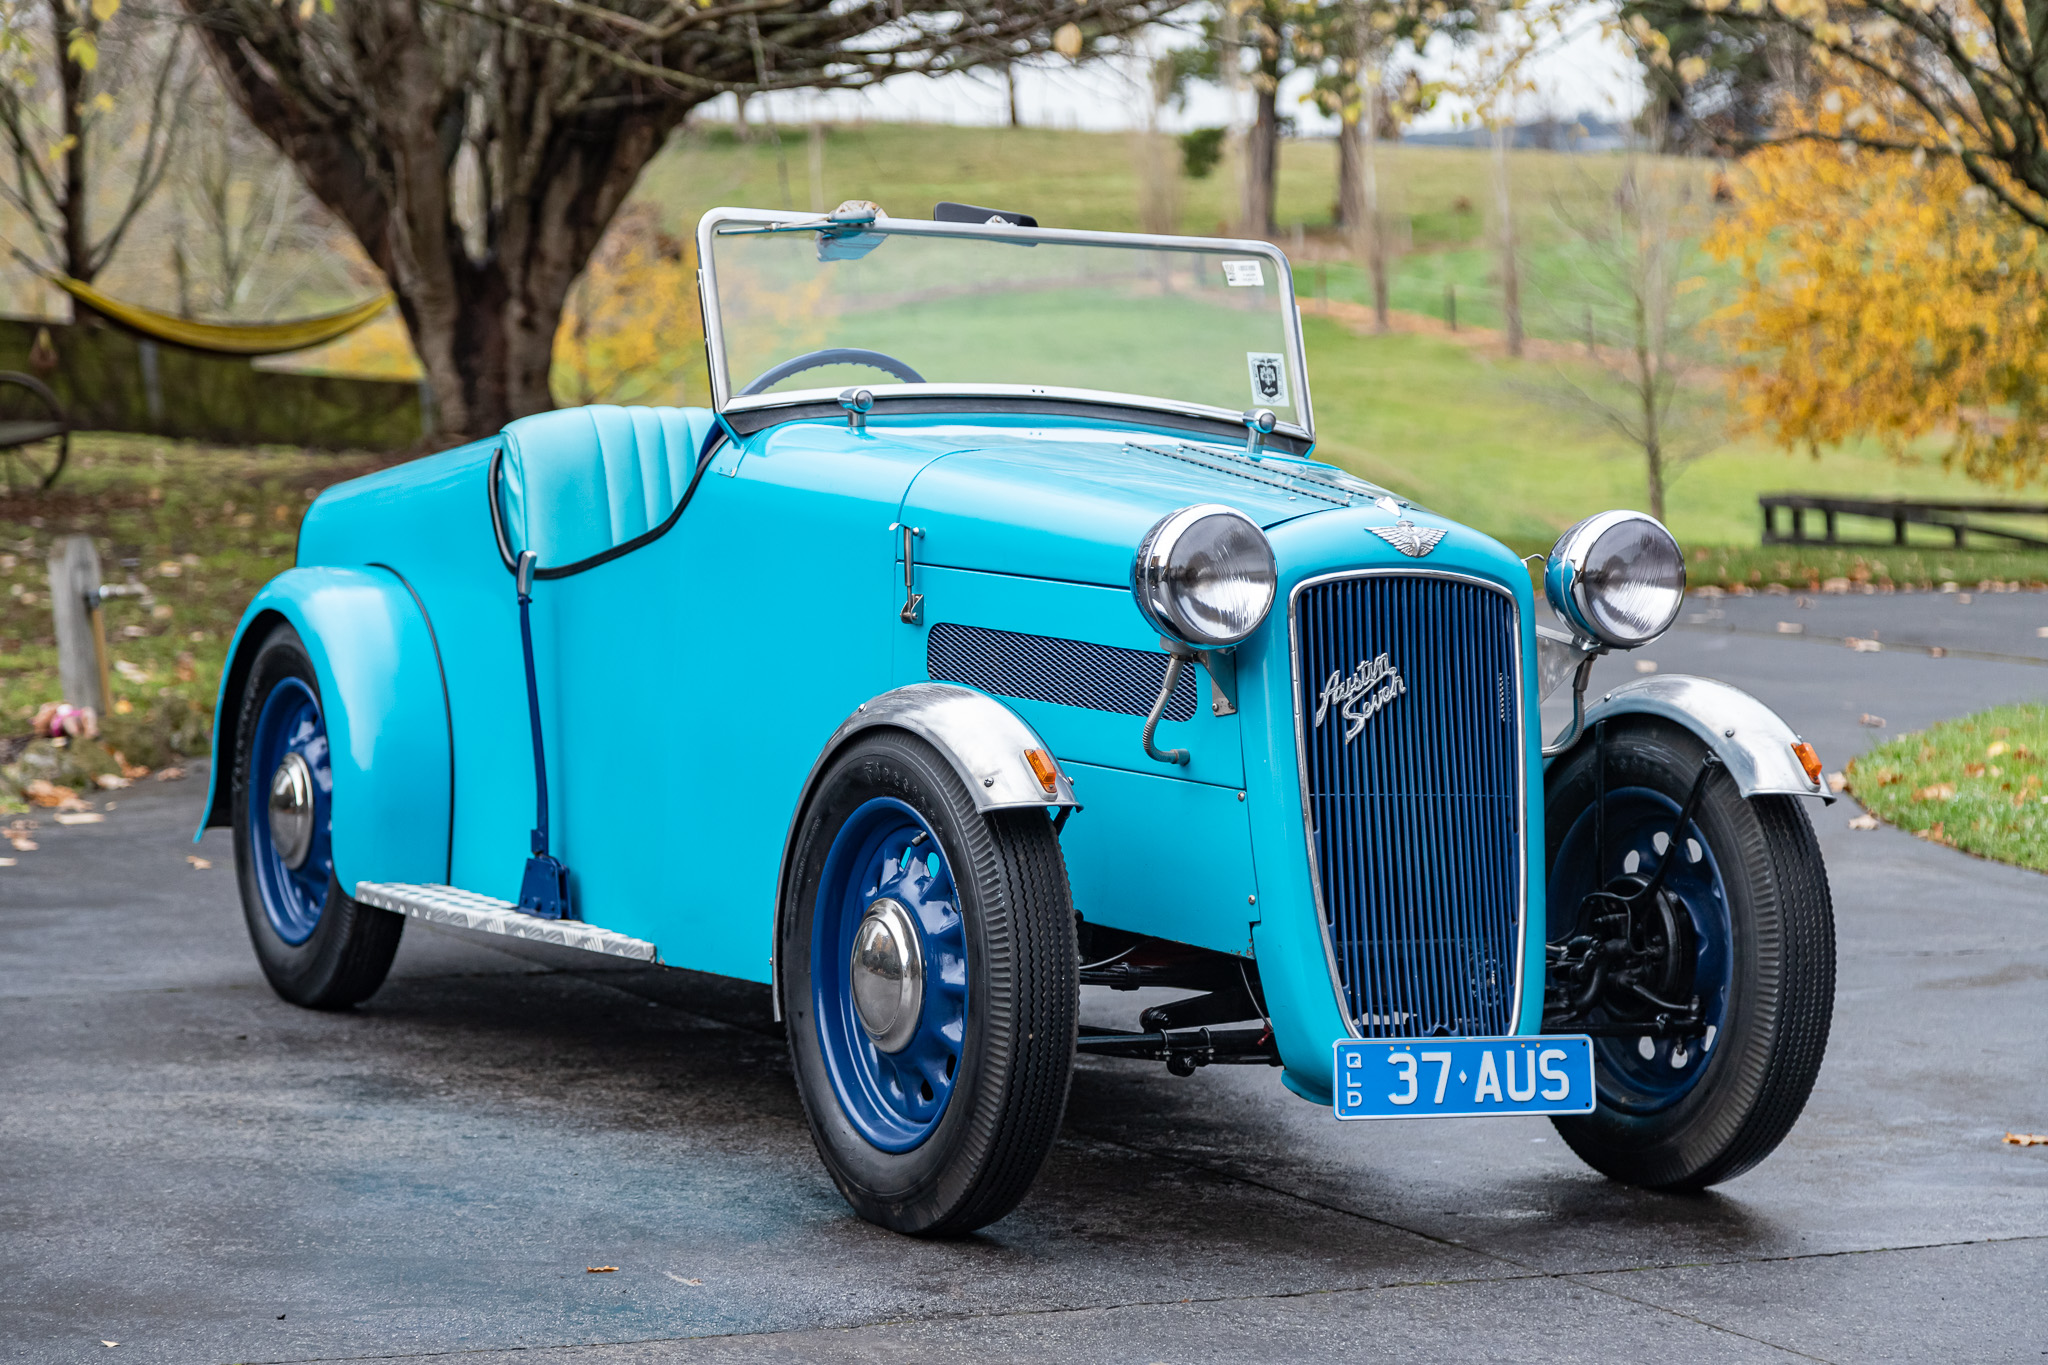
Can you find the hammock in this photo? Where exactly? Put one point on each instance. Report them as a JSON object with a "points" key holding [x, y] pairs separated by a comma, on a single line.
{"points": [[227, 338]]}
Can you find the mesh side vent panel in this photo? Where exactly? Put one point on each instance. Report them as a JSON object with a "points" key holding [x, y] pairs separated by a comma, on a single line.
{"points": [[1045, 668]]}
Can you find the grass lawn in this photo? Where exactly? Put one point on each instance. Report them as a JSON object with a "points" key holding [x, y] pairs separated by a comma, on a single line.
{"points": [[1974, 783], [200, 527]]}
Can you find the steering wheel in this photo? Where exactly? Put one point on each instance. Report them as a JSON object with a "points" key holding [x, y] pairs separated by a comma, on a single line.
{"points": [[831, 355]]}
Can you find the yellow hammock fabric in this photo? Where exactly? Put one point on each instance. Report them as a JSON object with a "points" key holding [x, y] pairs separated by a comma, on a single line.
{"points": [[227, 338]]}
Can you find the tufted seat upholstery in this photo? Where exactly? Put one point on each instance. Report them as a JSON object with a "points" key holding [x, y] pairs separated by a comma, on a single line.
{"points": [[579, 481]]}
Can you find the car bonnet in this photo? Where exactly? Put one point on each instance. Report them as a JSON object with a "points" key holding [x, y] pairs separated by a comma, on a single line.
{"points": [[1076, 509]]}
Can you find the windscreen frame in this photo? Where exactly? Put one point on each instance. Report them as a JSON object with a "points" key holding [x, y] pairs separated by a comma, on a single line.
{"points": [[723, 221]]}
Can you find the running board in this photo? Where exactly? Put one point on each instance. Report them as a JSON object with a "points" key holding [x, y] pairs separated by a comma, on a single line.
{"points": [[467, 910]]}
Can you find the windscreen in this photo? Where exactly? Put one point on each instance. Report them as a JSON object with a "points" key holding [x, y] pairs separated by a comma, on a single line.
{"points": [[1204, 326]]}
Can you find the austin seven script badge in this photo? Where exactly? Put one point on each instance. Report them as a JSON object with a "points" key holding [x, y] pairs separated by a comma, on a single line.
{"points": [[1410, 539], [1359, 694]]}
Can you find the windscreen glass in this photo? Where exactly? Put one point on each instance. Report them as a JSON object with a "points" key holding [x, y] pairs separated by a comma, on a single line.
{"points": [[1195, 326]]}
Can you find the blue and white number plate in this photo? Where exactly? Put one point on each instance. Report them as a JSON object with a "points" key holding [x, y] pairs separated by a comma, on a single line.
{"points": [[1441, 1078]]}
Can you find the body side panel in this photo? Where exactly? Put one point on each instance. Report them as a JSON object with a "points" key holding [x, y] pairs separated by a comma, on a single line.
{"points": [[1071, 611]]}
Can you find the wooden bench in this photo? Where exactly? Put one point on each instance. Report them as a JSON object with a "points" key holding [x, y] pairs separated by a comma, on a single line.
{"points": [[1953, 517]]}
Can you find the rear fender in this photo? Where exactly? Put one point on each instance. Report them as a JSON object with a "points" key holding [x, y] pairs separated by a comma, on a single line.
{"points": [[1751, 739], [386, 707]]}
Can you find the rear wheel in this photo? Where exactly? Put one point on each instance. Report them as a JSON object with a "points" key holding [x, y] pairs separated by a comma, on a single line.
{"points": [[1738, 933], [930, 983], [35, 435], [317, 946]]}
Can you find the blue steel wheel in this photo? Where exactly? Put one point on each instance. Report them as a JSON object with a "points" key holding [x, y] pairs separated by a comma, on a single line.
{"points": [[316, 945], [1746, 925], [893, 1088], [930, 982], [289, 785], [1643, 1073]]}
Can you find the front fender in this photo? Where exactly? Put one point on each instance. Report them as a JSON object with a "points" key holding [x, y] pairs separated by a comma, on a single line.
{"points": [[1751, 739], [386, 708]]}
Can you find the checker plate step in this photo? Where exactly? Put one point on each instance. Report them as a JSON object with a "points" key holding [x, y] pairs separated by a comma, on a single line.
{"points": [[468, 910]]}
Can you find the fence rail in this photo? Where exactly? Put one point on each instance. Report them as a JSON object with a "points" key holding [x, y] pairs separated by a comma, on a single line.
{"points": [[1954, 517]]}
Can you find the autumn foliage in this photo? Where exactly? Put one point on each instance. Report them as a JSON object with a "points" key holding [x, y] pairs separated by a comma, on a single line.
{"points": [[1885, 295], [632, 331]]}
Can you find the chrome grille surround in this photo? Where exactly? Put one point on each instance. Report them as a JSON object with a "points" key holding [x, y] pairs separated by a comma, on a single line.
{"points": [[1304, 705]]}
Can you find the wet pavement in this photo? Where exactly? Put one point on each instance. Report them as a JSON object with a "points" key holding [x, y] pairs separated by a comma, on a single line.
{"points": [[200, 1172]]}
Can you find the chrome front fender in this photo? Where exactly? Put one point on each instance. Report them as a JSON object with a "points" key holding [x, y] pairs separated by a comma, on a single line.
{"points": [[1754, 743], [983, 739]]}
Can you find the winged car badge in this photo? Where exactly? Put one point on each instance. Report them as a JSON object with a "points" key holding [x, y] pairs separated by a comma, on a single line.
{"points": [[1410, 539]]}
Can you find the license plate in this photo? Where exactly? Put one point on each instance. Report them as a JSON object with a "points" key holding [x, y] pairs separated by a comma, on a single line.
{"points": [[1441, 1078]]}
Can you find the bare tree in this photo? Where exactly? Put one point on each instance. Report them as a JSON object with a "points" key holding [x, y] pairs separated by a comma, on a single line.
{"points": [[91, 145], [548, 109], [1492, 73], [1637, 299]]}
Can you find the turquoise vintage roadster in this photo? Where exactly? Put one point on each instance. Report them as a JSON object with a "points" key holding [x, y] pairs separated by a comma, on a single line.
{"points": [[997, 634]]}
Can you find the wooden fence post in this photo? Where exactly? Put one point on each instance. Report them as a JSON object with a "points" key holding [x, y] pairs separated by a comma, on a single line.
{"points": [[81, 639]]}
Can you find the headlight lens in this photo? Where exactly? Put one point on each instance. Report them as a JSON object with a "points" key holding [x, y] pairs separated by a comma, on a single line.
{"points": [[1205, 576], [1618, 577]]}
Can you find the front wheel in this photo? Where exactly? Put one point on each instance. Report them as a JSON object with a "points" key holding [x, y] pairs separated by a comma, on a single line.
{"points": [[318, 946], [930, 983], [1708, 984]]}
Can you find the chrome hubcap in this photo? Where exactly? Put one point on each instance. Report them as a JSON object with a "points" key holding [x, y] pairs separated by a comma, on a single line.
{"points": [[887, 975], [291, 811]]}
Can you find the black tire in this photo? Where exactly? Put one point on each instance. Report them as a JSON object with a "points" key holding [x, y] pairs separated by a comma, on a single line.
{"points": [[1758, 1073], [349, 952], [1017, 1056]]}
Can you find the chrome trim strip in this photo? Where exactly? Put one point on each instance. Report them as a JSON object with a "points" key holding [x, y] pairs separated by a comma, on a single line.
{"points": [[723, 400], [1315, 875]]}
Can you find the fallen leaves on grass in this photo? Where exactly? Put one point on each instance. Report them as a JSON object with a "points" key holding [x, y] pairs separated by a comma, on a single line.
{"points": [[1935, 834], [2027, 1139], [1938, 791], [199, 864], [1864, 821]]}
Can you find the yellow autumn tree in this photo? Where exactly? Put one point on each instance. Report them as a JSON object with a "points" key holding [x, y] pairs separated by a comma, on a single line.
{"points": [[1885, 295], [632, 332]]}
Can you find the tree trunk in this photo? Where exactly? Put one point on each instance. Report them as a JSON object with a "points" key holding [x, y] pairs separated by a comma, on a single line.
{"points": [[1010, 85], [1510, 272], [1262, 164], [72, 80], [483, 324], [1375, 223], [1350, 176]]}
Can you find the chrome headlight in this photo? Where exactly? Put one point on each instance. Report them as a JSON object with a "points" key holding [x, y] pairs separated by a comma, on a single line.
{"points": [[1618, 578], [1205, 576]]}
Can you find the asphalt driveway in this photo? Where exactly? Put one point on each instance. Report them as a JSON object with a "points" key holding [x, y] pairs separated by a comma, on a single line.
{"points": [[199, 1172]]}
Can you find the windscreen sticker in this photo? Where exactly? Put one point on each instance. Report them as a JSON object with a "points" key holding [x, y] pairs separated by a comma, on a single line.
{"points": [[1244, 274], [1269, 378]]}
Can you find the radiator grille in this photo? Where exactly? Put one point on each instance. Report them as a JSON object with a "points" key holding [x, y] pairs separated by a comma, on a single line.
{"points": [[1415, 821], [1046, 668]]}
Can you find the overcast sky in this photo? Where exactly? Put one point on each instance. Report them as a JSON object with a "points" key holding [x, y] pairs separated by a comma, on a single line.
{"points": [[1587, 71]]}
